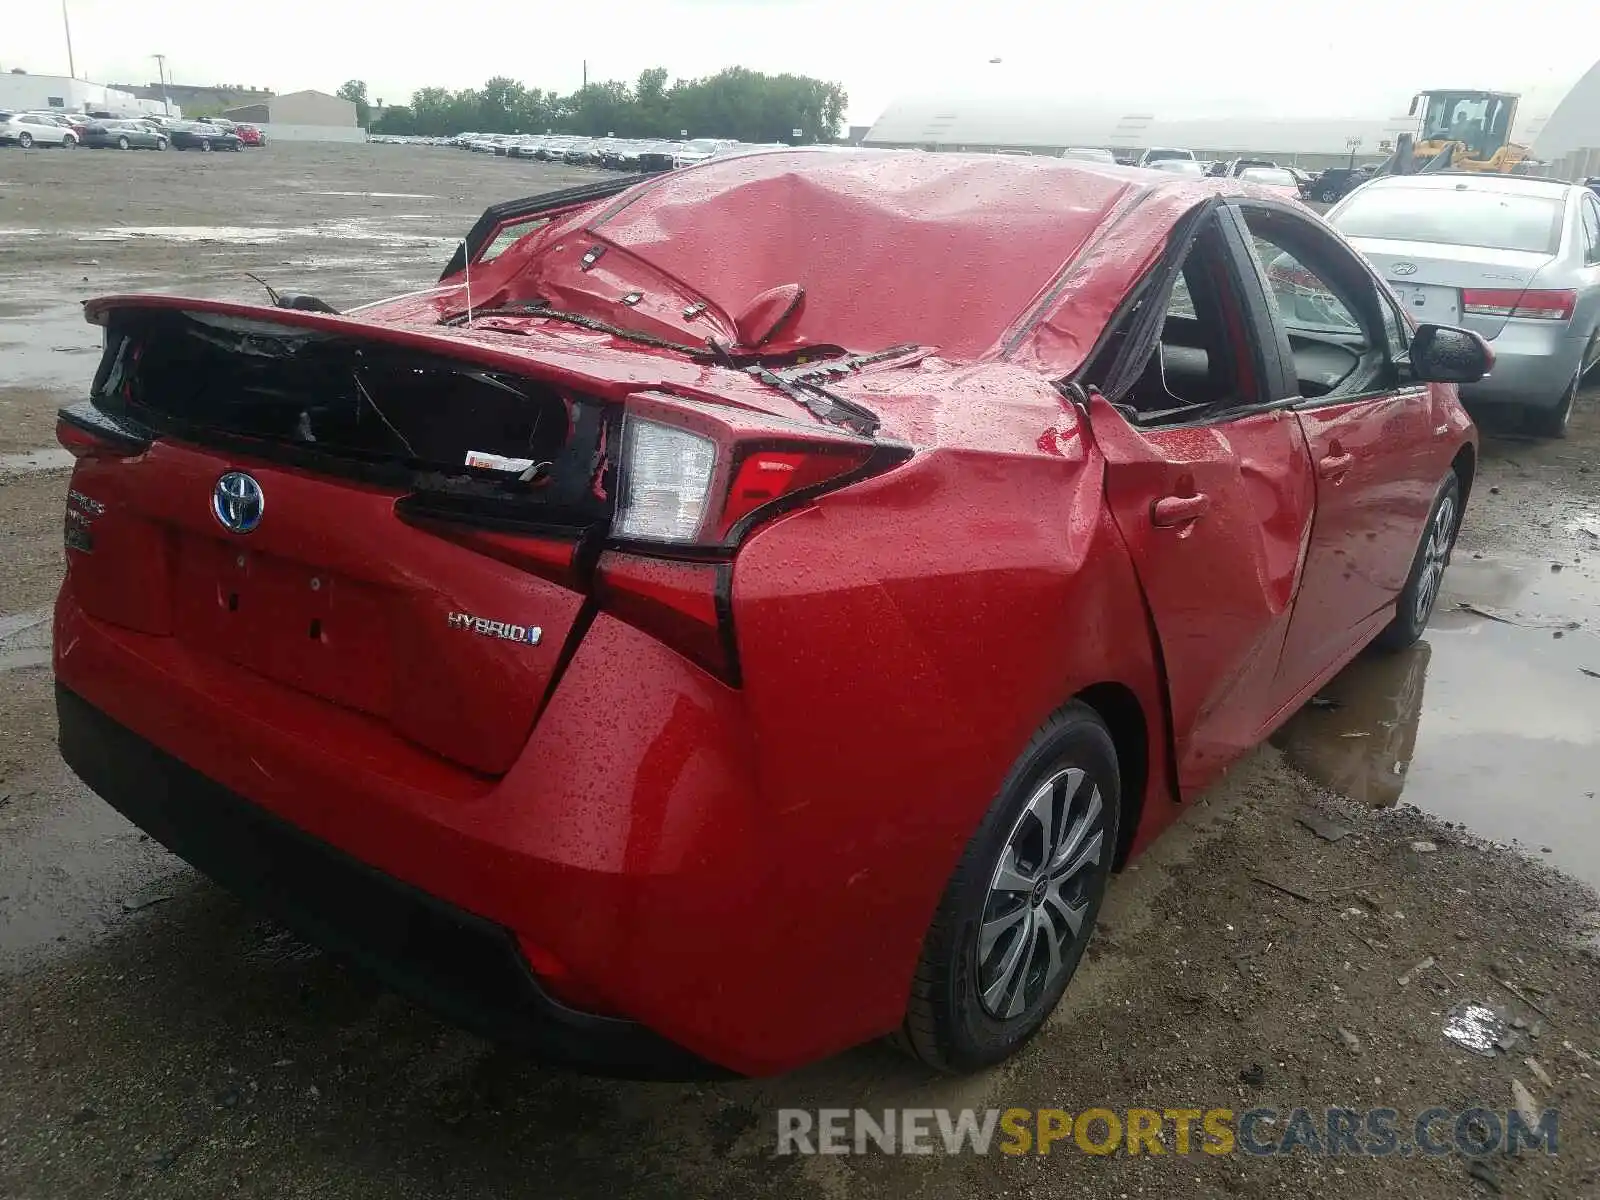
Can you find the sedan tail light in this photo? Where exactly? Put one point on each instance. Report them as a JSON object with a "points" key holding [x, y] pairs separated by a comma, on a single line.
{"points": [[1512, 302], [694, 481]]}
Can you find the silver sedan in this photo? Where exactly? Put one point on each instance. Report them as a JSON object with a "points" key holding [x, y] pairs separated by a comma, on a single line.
{"points": [[1514, 258]]}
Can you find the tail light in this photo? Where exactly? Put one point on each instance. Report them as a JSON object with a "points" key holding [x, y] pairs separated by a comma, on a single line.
{"points": [[1511, 302], [694, 481], [86, 433]]}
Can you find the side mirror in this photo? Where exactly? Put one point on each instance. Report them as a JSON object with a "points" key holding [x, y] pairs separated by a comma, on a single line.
{"points": [[1446, 354]]}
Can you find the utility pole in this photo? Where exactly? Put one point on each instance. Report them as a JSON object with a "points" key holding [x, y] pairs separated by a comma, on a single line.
{"points": [[586, 74], [72, 67], [161, 71]]}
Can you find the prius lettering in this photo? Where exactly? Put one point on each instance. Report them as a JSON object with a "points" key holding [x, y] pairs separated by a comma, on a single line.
{"points": [[505, 630]]}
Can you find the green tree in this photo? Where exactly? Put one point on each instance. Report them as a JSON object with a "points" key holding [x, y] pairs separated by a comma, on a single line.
{"points": [[396, 119], [733, 103], [355, 91]]}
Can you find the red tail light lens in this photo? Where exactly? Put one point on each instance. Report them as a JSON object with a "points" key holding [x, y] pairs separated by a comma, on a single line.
{"points": [[765, 477], [684, 604], [83, 443], [1512, 302], [705, 483], [694, 480]]}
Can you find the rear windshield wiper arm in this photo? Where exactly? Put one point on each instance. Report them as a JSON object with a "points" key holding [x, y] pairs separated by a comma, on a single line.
{"points": [[545, 312], [822, 403]]}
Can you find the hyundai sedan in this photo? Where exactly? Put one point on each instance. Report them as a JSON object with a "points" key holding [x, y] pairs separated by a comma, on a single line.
{"points": [[1514, 258], [676, 658]]}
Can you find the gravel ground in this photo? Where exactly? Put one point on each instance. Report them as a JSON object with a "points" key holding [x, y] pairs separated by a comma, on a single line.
{"points": [[158, 1040]]}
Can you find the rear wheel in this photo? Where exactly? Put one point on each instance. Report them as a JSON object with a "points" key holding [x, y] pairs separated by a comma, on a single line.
{"points": [[69, 141], [25, 140], [1019, 909], [1416, 602], [1328, 195], [205, 143], [123, 143], [1553, 422], [161, 143]]}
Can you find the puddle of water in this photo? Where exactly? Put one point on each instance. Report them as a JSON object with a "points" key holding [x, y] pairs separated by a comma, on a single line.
{"points": [[240, 235], [380, 195], [48, 344], [53, 458], [1484, 721], [355, 229]]}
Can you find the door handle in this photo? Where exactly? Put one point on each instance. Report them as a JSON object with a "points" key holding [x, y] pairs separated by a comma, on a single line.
{"points": [[1334, 465], [1178, 510]]}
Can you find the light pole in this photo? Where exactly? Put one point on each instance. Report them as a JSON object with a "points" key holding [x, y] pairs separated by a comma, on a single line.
{"points": [[161, 70], [72, 67]]}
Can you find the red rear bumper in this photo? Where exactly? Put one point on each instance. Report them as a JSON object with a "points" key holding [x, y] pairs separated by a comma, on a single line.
{"points": [[623, 848]]}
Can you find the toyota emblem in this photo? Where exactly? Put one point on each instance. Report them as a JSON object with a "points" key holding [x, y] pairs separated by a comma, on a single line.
{"points": [[237, 502]]}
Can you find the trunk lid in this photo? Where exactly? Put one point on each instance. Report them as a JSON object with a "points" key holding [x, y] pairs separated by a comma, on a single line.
{"points": [[1429, 277], [351, 519]]}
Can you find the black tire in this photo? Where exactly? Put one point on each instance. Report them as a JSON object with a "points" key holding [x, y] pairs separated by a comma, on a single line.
{"points": [[123, 143], [69, 141], [1553, 422], [25, 140], [1328, 195], [1421, 593], [1068, 765], [161, 143], [205, 143]]}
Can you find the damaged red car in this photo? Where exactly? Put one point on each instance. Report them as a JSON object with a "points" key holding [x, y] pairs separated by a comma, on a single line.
{"points": [[748, 612]]}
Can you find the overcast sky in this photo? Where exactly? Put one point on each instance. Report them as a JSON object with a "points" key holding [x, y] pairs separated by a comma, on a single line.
{"points": [[1357, 58]]}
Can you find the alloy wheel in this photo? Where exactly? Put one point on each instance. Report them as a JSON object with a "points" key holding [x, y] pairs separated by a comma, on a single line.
{"points": [[122, 143], [1435, 555], [1040, 893], [25, 140]]}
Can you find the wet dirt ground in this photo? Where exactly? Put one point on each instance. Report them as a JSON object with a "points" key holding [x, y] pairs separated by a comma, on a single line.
{"points": [[158, 1040]]}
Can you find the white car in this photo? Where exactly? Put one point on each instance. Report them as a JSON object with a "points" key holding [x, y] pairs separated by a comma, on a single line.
{"points": [[698, 150], [1165, 154], [27, 130]]}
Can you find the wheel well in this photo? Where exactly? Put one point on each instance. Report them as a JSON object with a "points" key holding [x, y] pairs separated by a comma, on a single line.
{"points": [[1119, 708]]}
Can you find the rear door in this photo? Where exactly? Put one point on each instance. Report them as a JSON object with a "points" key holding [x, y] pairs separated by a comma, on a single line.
{"points": [[1210, 486], [1376, 448]]}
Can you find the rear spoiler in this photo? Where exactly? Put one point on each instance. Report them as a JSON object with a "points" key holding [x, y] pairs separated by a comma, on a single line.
{"points": [[496, 215]]}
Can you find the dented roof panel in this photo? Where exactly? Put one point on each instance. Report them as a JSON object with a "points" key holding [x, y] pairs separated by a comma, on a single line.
{"points": [[942, 250]]}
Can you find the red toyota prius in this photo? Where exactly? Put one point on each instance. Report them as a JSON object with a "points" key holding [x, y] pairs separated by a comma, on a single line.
{"points": [[750, 611]]}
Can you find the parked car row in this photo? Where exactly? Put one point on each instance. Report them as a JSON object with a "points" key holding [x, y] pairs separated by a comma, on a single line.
{"points": [[68, 130], [614, 154]]}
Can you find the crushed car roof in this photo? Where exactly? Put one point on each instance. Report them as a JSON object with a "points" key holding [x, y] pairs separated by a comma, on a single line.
{"points": [[942, 250]]}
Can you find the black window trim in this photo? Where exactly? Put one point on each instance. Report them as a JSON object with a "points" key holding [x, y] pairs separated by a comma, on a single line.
{"points": [[1246, 282]]}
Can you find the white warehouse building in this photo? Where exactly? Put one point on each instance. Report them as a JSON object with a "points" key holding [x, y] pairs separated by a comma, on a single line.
{"points": [[1554, 122], [20, 91]]}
